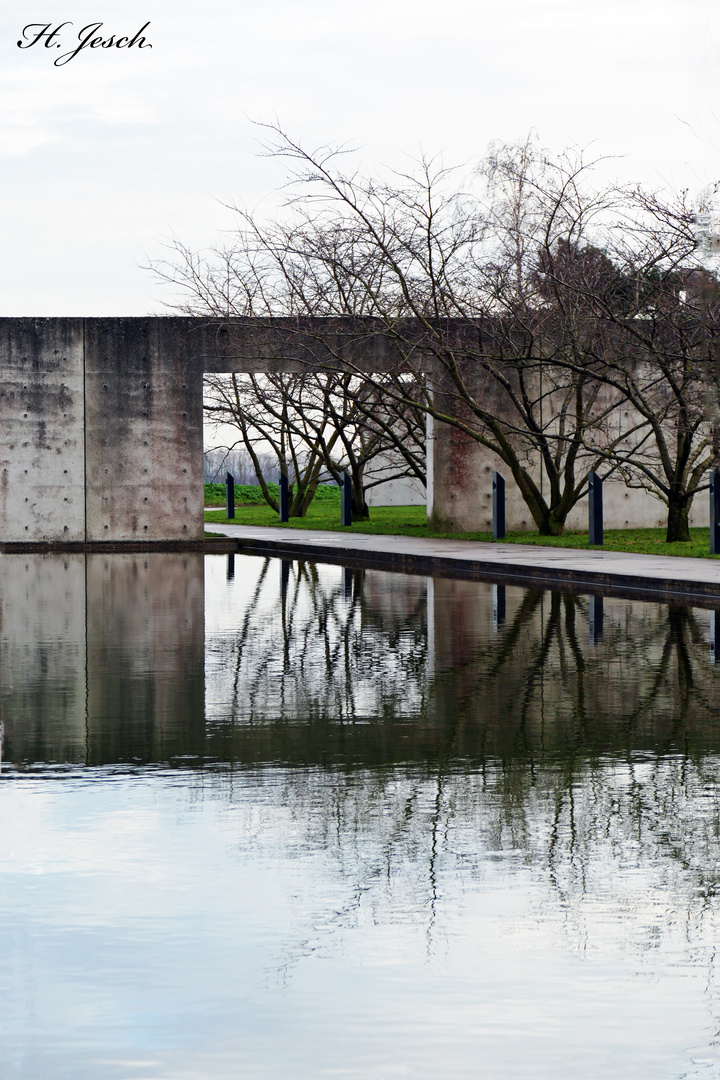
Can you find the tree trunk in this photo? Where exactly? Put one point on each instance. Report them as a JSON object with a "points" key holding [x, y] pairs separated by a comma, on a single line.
{"points": [[550, 526], [550, 520], [360, 509], [678, 520]]}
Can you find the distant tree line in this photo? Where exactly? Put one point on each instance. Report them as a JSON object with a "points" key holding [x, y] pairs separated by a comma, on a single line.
{"points": [[220, 460], [563, 324]]}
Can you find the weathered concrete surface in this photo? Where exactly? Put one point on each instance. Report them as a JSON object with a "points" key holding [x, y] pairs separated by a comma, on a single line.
{"points": [[145, 656], [143, 402], [42, 448], [102, 657], [101, 429], [460, 491], [101, 419], [42, 657], [294, 344]]}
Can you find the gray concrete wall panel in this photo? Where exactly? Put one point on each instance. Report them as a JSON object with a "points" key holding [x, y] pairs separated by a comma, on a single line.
{"points": [[101, 423], [42, 454], [144, 431]]}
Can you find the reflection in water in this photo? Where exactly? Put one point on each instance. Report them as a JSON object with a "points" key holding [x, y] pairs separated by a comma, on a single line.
{"points": [[101, 658], [359, 824]]}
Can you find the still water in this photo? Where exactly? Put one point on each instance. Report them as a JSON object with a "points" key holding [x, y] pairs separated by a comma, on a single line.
{"points": [[263, 819]]}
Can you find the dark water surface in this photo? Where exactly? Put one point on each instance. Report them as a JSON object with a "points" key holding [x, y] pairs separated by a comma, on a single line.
{"points": [[283, 820]]}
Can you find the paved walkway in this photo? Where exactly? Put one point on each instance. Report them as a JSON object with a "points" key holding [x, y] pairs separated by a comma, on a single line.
{"points": [[617, 571]]}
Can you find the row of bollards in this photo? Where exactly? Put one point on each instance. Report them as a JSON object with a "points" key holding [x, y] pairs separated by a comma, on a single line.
{"points": [[284, 498], [595, 507], [498, 504], [595, 510]]}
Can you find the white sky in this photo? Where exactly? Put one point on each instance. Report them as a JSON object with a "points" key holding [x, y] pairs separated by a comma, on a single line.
{"points": [[105, 157]]}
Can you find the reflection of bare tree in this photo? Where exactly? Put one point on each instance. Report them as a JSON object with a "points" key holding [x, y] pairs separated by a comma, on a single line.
{"points": [[533, 743], [541, 685], [579, 768], [621, 853], [308, 651]]}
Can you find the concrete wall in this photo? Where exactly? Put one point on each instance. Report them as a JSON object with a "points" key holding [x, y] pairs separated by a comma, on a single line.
{"points": [[461, 493], [101, 434], [143, 407], [42, 436], [100, 430]]}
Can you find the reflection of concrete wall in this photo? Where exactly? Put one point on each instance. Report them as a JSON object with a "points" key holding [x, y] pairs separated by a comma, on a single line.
{"points": [[395, 598], [146, 656], [102, 657], [42, 657]]}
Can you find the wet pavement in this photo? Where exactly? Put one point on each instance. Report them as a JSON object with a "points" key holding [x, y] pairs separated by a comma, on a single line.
{"points": [[438, 555]]}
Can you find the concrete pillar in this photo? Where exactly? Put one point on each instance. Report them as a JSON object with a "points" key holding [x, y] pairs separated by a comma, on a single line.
{"points": [[460, 471], [100, 431]]}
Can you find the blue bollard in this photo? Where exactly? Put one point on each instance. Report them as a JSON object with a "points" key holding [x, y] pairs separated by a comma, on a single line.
{"points": [[498, 607], [595, 618], [230, 496], [285, 565], [498, 492], [595, 508], [715, 513]]}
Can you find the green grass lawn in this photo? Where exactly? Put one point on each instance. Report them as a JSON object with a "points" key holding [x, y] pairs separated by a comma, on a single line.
{"points": [[251, 495], [411, 521], [387, 520]]}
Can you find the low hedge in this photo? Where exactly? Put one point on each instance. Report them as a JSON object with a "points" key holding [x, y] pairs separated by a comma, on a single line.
{"points": [[251, 495]]}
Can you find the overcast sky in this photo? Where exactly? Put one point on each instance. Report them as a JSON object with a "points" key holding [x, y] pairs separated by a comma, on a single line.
{"points": [[107, 155]]}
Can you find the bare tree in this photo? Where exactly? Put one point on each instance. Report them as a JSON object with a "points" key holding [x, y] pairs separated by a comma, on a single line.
{"points": [[449, 279], [266, 411], [659, 314], [533, 311], [319, 424]]}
